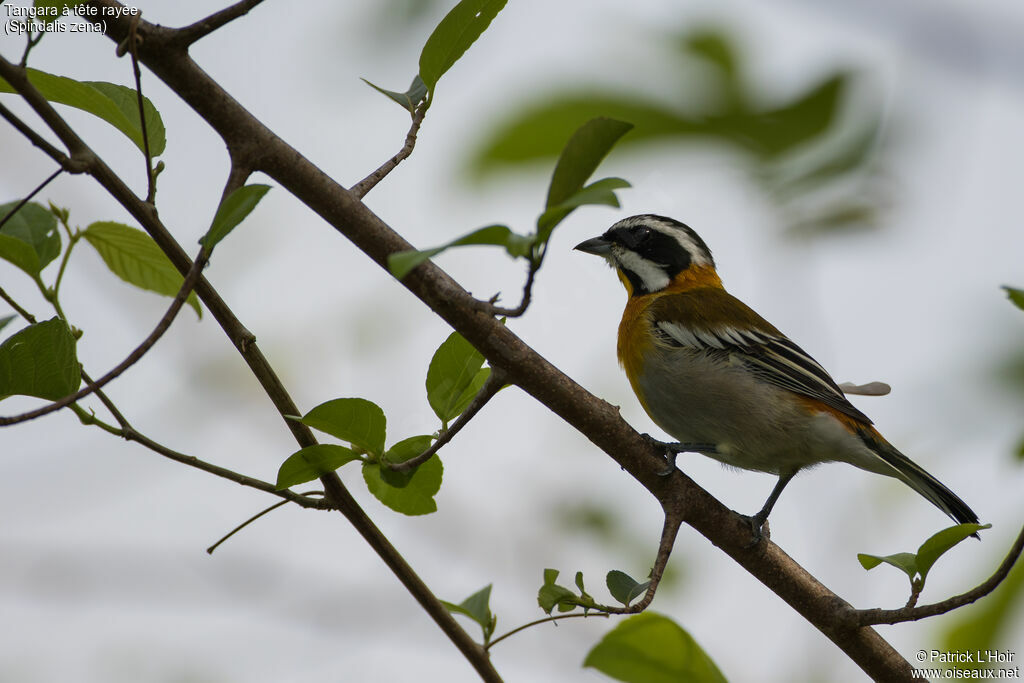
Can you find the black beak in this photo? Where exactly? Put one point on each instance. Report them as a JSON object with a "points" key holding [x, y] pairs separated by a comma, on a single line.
{"points": [[598, 246]]}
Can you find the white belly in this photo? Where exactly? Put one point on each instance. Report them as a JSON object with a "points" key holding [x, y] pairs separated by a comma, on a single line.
{"points": [[754, 425]]}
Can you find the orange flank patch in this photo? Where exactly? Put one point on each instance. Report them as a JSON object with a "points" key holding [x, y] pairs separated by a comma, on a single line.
{"points": [[851, 423]]}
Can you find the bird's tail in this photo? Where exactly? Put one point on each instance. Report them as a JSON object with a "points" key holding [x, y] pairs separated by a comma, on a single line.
{"points": [[914, 476]]}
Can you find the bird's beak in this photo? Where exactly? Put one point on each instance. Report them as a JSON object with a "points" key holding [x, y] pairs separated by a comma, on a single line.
{"points": [[598, 246]]}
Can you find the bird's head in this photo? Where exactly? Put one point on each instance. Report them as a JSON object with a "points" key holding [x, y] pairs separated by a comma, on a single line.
{"points": [[652, 253]]}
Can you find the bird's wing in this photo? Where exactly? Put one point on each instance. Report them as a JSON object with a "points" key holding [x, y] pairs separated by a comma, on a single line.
{"points": [[714, 321]]}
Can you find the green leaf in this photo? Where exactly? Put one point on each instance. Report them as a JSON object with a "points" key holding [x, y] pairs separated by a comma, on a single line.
{"points": [[539, 132], [410, 99], [581, 155], [134, 257], [907, 562], [551, 595], [402, 262], [936, 546], [470, 392], [476, 607], [29, 239], [407, 449], [455, 367], [400, 452], [115, 104], [624, 587], [715, 48], [457, 31], [355, 420], [1015, 295], [311, 462], [40, 361], [416, 497], [651, 648], [772, 132], [919, 564], [5, 320], [599, 192], [232, 211]]}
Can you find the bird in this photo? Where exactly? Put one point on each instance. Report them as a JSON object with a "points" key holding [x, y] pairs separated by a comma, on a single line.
{"points": [[725, 382]]}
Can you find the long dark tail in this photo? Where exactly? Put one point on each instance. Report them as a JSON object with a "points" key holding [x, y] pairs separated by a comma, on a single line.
{"points": [[916, 478]]}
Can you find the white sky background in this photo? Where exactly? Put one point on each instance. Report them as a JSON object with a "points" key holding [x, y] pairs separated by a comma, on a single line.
{"points": [[103, 574]]}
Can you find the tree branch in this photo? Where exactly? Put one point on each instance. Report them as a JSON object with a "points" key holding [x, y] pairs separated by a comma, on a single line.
{"points": [[595, 418], [204, 27], [29, 196], [161, 41], [868, 617]]}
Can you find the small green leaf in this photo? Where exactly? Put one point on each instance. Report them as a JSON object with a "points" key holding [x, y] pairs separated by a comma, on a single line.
{"points": [[551, 595], [134, 257], [29, 239], [624, 587], [40, 361], [581, 155], [5, 320], [455, 367], [600, 192], [1015, 295], [355, 420], [410, 99], [416, 497], [651, 648], [470, 392], [936, 546], [907, 562], [400, 452], [476, 607], [115, 104], [407, 449], [457, 31], [232, 211], [311, 462], [402, 262]]}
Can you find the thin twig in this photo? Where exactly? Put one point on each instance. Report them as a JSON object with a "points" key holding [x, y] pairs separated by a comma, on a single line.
{"points": [[254, 518], [28, 198], [868, 617], [494, 383], [165, 322], [557, 617], [361, 188], [32, 42], [668, 538], [489, 307], [18, 309], [133, 49], [204, 27], [38, 140]]}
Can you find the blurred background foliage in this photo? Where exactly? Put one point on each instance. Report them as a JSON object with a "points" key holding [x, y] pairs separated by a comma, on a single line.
{"points": [[815, 155]]}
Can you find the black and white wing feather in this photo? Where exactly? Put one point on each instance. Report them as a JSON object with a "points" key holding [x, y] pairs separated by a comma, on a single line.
{"points": [[771, 358]]}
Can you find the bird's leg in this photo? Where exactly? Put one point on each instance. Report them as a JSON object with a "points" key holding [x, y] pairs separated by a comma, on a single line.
{"points": [[757, 521], [671, 449]]}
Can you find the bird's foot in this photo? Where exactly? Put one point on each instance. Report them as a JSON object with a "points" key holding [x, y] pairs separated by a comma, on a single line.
{"points": [[671, 449], [759, 528]]}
